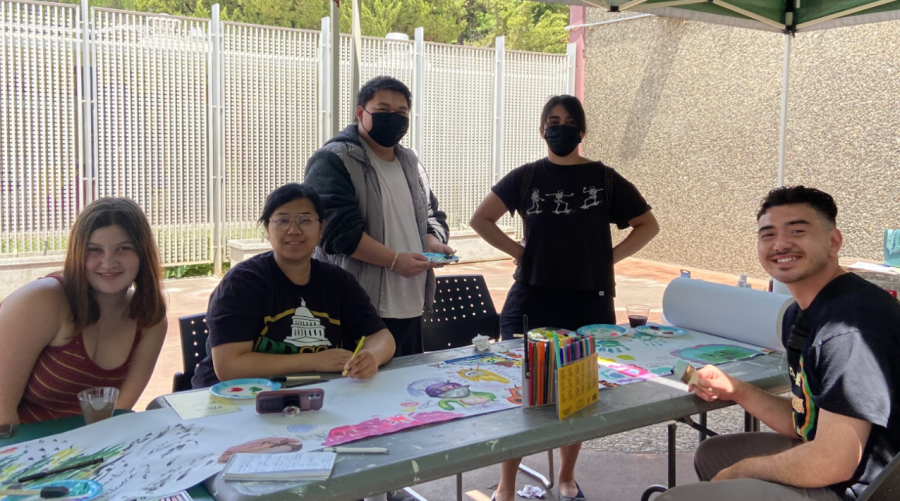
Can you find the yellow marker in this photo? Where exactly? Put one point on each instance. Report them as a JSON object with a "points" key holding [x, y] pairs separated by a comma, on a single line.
{"points": [[358, 347]]}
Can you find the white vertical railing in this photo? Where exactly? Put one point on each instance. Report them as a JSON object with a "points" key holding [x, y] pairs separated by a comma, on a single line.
{"points": [[151, 117], [198, 120], [418, 91], [271, 87], [39, 114], [457, 140]]}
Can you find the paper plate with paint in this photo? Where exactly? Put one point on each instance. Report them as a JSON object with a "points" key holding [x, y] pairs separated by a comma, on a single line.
{"points": [[437, 257], [603, 331], [79, 490], [547, 333], [242, 389], [661, 330]]}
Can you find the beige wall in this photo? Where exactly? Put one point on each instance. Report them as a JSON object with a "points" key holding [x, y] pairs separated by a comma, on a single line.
{"points": [[690, 112]]}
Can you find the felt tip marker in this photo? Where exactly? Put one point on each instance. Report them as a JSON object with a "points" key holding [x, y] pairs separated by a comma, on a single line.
{"points": [[356, 450]]}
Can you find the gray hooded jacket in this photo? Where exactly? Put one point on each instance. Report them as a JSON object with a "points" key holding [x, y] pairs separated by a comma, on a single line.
{"points": [[340, 172]]}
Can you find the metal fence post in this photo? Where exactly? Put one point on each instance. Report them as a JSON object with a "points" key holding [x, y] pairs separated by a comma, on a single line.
{"points": [[418, 92], [215, 145], [571, 52], [497, 122], [334, 103], [87, 98], [324, 81]]}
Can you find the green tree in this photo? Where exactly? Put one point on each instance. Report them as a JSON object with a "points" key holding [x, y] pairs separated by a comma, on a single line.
{"points": [[444, 20], [531, 26], [377, 18], [537, 27], [302, 14]]}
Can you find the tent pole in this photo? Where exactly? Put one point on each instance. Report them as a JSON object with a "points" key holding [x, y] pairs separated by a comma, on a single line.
{"points": [[784, 103]]}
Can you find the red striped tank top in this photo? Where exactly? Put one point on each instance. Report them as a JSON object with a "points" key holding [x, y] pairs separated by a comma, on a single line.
{"points": [[60, 373]]}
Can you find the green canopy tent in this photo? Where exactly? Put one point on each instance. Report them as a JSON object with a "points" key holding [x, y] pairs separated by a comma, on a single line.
{"points": [[789, 16], [782, 16]]}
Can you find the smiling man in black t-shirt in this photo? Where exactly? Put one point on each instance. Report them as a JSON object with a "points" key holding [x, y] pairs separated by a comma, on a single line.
{"points": [[841, 426]]}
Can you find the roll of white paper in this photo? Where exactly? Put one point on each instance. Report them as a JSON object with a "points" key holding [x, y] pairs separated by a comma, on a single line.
{"points": [[745, 315]]}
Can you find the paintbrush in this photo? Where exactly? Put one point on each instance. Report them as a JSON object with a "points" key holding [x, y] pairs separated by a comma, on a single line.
{"points": [[54, 471], [51, 491], [288, 381]]}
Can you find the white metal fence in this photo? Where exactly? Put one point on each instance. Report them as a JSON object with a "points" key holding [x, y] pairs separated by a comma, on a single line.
{"points": [[197, 119], [40, 53]]}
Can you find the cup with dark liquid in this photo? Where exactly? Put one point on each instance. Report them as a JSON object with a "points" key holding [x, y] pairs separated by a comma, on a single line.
{"points": [[98, 404], [637, 314]]}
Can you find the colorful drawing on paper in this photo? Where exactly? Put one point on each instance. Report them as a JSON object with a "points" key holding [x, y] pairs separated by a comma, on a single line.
{"points": [[628, 359], [515, 395], [715, 353], [478, 374], [383, 426], [508, 359], [449, 393], [268, 445]]}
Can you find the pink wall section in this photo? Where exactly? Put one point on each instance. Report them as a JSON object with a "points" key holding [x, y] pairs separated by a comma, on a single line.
{"points": [[578, 15]]}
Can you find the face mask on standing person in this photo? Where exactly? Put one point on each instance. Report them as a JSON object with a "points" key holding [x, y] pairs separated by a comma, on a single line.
{"points": [[562, 139], [388, 128]]}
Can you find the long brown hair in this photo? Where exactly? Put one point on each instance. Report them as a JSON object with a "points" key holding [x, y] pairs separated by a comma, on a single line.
{"points": [[147, 306]]}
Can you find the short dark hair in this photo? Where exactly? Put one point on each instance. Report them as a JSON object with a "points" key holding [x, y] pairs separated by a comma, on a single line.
{"points": [[820, 201], [367, 92], [287, 194], [571, 104]]}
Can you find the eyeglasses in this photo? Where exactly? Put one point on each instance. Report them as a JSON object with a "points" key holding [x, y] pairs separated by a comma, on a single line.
{"points": [[282, 223]]}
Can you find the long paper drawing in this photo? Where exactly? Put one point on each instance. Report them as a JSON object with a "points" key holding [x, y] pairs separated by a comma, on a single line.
{"points": [[154, 454], [639, 357]]}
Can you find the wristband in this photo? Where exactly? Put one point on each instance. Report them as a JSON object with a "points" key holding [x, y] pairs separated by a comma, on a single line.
{"points": [[394, 262]]}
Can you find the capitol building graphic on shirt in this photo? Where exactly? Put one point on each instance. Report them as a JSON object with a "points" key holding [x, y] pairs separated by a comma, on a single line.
{"points": [[307, 332]]}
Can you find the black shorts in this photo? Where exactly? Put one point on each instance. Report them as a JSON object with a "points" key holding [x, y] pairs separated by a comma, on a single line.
{"points": [[561, 308]]}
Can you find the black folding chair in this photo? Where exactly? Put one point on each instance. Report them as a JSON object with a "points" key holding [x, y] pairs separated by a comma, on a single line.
{"points": [[193, 349], [462, 309]]}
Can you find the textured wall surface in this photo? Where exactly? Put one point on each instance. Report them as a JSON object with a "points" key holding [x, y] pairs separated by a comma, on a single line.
{"points": [[690, 113]]}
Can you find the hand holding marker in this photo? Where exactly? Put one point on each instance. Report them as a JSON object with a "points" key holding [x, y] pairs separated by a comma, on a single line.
{"points": [[358, 347]]}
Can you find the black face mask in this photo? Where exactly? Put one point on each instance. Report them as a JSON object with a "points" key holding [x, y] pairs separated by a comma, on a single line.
{"points": [[388, 128], [562, 139]]}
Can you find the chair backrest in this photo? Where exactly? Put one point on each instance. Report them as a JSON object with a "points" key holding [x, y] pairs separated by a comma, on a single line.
{"points": [[462, 309], [886, 486], [193, 342]]}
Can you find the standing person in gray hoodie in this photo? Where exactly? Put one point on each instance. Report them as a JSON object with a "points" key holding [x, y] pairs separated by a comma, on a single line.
{"points": [[383, 213]]}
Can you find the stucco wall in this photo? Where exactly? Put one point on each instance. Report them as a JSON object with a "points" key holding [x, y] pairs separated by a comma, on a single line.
{"points": [[690, 113]]}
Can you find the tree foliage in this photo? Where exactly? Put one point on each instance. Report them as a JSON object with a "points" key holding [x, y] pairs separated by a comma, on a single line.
{"points": [[531, 26]]}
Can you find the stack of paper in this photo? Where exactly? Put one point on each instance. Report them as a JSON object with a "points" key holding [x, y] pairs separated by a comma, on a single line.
{"points": [[245, 467]]}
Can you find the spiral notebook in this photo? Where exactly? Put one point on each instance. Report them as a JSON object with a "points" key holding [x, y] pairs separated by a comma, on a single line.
{"points": [[246, 467]]}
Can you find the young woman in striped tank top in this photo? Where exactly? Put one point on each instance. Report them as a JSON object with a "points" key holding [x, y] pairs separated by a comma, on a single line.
{"points": [[101, 323]]}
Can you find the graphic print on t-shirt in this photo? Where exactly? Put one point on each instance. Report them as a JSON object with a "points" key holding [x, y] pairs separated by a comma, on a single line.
{"points": [[559, 198], [591, 200], [306, 330], [803, 407], [562, 207], [307, 333], [535, 205]]}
